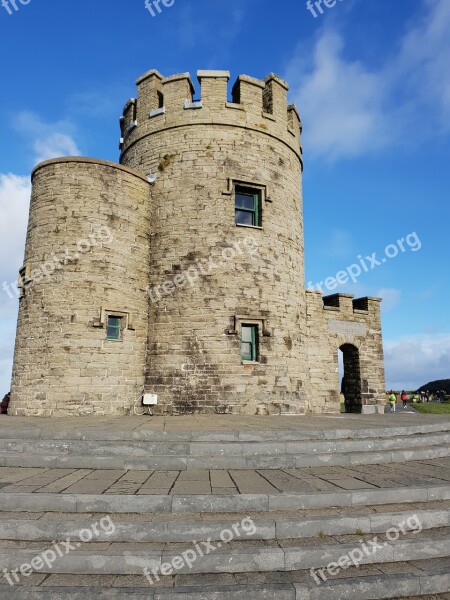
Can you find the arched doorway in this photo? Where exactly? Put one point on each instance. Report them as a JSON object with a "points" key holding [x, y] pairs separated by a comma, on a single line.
{"points": [[351, 380]]}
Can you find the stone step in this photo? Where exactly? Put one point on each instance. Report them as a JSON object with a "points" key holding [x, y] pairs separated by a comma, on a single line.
{"points": [[422, 579], [226, 556], [384, 429], [13, 458], [217, 503], [194, 528], [192, 449]]}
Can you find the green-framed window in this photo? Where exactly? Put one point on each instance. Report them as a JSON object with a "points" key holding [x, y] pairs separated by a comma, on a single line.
{"points": [[113, 331], [247, 206], [249, 342]]}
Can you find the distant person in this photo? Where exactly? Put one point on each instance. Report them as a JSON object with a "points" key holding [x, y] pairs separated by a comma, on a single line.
{"points": [[422, 395], [404, 398], [392, 401], [427, 395], [4, 404]]}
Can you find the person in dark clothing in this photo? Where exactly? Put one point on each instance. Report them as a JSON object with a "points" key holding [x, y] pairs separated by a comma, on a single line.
{"points": [[4, 404]]}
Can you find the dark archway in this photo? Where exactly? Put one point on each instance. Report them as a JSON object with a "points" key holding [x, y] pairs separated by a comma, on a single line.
{"points": [[351, 381]]}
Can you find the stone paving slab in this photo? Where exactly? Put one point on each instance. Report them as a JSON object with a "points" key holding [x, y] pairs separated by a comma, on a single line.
{"points": [[260, 481]]}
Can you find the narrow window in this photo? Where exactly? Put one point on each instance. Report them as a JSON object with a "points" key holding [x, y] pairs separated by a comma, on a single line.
{"points": [[113, 328], [249, 342], [248, 206]]}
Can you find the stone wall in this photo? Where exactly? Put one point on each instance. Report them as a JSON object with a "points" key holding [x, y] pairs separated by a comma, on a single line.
{"points": [[334, 322], [89, 232]]}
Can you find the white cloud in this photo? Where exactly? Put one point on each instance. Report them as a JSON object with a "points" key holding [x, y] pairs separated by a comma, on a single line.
{"points": [[48, 140], [412, 361], [423, 61], [340, 102], [14, 203], [391, 298], [7, 338], [54, 146], [350, 109]]}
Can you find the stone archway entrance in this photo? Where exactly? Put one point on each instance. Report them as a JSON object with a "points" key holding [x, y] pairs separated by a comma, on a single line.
{"points": [[351, 381]]}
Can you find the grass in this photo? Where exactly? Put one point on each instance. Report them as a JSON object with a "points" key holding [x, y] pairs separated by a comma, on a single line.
{"points": [[429, 408]]}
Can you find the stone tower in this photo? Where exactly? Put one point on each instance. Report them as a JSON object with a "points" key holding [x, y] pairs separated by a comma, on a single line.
{"points": [[201, 153], [186, 270]]}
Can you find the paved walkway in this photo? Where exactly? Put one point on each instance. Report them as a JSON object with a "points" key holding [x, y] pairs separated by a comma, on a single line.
{"points": [[226, 482], [226, 422]]}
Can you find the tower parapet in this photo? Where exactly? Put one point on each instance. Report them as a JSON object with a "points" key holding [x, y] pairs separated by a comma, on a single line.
{"points": [[168, 102]]}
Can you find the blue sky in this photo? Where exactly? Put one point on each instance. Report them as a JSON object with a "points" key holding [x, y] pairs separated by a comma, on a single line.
{"points": [[370, 79]]}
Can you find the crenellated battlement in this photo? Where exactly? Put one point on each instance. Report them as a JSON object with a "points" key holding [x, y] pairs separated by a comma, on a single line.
{"points": [[346, 304], [167, 102]]}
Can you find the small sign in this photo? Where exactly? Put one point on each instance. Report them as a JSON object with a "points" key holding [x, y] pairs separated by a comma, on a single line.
{"points": [[150, 399]]}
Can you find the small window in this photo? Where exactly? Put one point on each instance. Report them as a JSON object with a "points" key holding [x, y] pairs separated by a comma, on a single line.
{"points": [[113, 328], [249, 342], [248, 206]]}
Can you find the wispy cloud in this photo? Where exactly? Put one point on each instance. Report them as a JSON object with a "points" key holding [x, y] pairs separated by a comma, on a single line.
{"points": [[391, 298], [7, 337], [351, 109], [47, 140], [412, 361], [14, 202]]}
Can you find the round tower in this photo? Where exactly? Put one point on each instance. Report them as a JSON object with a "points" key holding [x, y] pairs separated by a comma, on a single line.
{"points": [[226, 294], [82, 328]]}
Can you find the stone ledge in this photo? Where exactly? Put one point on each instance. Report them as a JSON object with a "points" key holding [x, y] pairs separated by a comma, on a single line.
{"points": [[90, 161]]}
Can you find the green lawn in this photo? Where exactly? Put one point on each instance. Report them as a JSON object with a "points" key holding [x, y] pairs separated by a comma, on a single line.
{"points": [[432, 409]]}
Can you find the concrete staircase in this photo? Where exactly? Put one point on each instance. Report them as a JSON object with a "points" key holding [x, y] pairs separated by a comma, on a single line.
{"points": [[371, 532]]}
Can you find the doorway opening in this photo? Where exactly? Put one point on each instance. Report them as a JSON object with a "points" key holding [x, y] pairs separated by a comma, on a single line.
{"points": [[350, 378]]}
